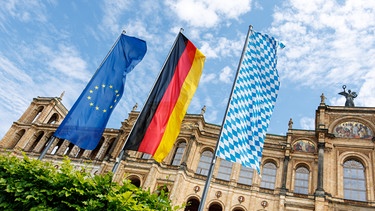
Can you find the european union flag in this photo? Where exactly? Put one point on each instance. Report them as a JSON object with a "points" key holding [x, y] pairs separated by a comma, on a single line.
{"points": [[87, 119]]}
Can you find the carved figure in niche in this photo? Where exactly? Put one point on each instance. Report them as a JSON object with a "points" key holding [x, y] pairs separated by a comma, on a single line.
{"points": [[349, 97]]}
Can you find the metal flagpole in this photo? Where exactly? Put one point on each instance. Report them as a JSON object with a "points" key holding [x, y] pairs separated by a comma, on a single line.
{"points": [[118, 159], [213, 161], [49, 144]]}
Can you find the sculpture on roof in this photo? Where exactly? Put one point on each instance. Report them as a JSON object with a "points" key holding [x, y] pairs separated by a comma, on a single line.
{"points": [[349, 97]]}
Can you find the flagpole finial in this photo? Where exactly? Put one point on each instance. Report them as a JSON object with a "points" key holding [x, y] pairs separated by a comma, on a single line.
{"points": [[251, 27], [181, 30], [123, 31]]}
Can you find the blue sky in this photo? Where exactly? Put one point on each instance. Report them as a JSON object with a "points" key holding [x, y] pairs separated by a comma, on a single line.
{"points": [[48, 47]]}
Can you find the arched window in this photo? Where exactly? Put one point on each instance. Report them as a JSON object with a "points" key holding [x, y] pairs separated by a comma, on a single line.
{"points": [[215, 207], [204, 163], [37, 138], [68, 149], [192, 205], [37, 114], [354, 180], [17, 138], [225, 170], [109, 147], [246, 175], [301, 182], [178, 154], [95, 152], [58, 145], [268, 176], [80, 153], [135, 181], [162, 190], [48, 136], [54, 118]]}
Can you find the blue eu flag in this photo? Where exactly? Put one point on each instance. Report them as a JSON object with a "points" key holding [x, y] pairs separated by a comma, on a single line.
{"points": [[87, 119]]}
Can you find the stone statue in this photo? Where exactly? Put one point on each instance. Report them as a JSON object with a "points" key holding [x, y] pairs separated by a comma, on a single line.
{"points": [[322, 99], [203, 110], [135, 107], [349, 97], [290, 123]]}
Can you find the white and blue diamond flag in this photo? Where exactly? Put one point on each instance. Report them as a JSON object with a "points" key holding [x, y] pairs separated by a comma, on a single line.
{"points": [[253, 99]]}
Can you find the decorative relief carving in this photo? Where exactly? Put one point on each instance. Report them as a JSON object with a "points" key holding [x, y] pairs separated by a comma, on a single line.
{"points": [[218, 194], [188, 125], [241, 199], [196, 188]]}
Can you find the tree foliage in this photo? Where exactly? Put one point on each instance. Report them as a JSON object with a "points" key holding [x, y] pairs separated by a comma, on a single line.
{"points": [[27, 184]]}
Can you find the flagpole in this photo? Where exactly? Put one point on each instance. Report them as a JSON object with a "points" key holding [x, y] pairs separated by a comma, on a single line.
{"points": [[49, 144], [118, 159], [213, 161]]}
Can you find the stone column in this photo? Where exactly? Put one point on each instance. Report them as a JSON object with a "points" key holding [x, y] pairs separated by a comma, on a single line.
{"points": [[285, 172], [187, 151], [319, 190]]}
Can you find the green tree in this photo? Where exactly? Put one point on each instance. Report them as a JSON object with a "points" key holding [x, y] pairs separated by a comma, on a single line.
{"points": [[28, 184]]}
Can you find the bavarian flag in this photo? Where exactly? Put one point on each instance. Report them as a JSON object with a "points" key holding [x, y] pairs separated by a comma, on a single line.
{"points": [[159, 122]]}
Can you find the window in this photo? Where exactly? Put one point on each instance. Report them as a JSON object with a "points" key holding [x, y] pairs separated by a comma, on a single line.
{"points": [[38, 137], [80, 153], [58, 145], [268, 176], [215, 207], [53, 119], [178, 154], [17, 138], [246, 175], [354, 181], [192, 205], [94, 153], [301, 182], [135, 181], [204, 163], [68, 149], [37, 114], [146, 156], [225, 170]]}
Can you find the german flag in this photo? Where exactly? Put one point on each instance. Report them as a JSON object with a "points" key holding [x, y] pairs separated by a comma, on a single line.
{"points": [[159, 122]]}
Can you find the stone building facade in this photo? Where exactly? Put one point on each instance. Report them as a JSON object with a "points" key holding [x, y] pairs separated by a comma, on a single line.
{"points": [[328, 168]]}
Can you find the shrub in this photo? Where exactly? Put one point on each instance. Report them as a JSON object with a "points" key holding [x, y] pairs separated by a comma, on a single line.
{"points": [[27, 184]]}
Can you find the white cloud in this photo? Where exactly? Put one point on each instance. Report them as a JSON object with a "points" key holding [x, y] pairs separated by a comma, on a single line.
{"points": [[208, 13], [24, 11], [226, 75], [68, 62], [12, 71], [221, 47], [207, 78], [113, 9], [328, 43]]}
